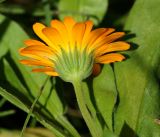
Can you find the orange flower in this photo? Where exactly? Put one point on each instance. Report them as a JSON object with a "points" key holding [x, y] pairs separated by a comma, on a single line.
{"points": [[72, 47]]}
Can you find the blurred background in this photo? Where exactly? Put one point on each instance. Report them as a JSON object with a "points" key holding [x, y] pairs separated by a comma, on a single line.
{"points": [[27, 12]]}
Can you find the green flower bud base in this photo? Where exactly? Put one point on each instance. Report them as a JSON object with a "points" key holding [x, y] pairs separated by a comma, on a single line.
{"points": [[74, 64]]}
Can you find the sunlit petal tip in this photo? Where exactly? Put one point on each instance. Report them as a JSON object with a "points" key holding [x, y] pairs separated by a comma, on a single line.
{"points": [[110, 30], [31, 42], [89, 25], [110, 58], [88, 22], [127, 45], [54, 23], [113, 29], [26, 42], [122, 57], [20, 50], [25, 62], [50, 73], [47, 71], [37, 25], [69, 22], [122, 33], [117, 35], [69, 18]]}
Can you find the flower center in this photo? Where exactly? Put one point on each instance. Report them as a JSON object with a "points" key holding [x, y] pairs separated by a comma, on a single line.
{"points": [[74, 64]]}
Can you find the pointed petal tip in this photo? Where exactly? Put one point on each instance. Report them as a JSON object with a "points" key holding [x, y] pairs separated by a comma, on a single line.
{"points": [[110, 58], [68, 18], [50, 73], [37, 27]]}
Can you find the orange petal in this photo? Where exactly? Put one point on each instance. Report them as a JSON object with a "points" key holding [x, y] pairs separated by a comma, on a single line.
{"points": [[40, 48], [48, 70], [53, 35], [58, 25], [36, 63], [101, 37], [78, 33], [29, 54], [42, 69], [89, 25], [110, 38], [115, 46], [38, 27], [31, 42], [96, 69], [94, 35], [69, 23], [36, 54], [109, 58], [52, 73], [114, 36]]}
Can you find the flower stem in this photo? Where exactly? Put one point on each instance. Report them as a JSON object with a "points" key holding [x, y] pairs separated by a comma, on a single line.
{"points": [[32, 107], [83, 108], [30, 113]]}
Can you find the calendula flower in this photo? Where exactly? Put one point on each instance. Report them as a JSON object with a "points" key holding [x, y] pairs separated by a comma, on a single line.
{"points": [[72, 49]]}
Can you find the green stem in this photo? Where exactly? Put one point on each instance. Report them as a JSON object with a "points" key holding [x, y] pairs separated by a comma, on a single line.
{"points": [[6, 113], [33, 122], [2, 102], [30, 113], [68, 126], [32, 107], [57, 132], [83, 108]]}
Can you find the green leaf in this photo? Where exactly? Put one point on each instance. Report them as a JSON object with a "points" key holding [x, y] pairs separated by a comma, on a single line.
{"points": [[30, 132], [88, 92], [152, 125], [108, 133], [19, 82], [137, 77], [83, 9], [105, 94], [13, 99]]}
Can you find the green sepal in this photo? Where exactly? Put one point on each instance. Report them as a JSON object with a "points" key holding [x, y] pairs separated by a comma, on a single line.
{"points": [[74, 64]]}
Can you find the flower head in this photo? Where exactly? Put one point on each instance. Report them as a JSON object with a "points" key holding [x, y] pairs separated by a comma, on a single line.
{"points": [[72, 49]]}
